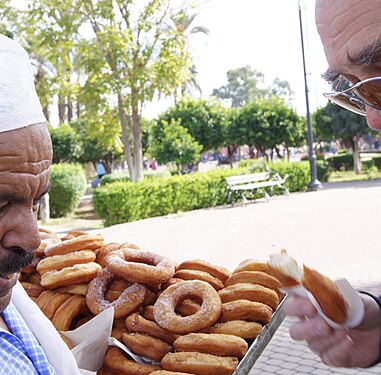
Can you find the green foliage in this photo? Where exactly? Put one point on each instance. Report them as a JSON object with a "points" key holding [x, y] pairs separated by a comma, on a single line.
{"points": [[171, 142], [68, 186], [205, 120], [267, 123], [323, 170], [125, 177], [125, 201], [67, 146], [342, 162]]}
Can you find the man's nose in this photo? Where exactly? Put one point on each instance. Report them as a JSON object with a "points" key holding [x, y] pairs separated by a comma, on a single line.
{"points": [[23, 232], [373, 118]]}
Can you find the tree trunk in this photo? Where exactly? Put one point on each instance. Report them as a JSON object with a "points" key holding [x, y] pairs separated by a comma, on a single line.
{"points": [[61, 109], [45, 209], [137, 135], [126, 137], [356, 155]]}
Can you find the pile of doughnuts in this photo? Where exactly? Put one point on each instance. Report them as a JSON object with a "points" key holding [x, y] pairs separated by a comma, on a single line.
{"points": [[189, 318]]}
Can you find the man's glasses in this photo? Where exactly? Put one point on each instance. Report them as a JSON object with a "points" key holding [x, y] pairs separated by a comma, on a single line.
{"points": [[356, 97]]}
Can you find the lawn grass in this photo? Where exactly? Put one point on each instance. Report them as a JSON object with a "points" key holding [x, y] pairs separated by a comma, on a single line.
{"points": [[352, 176]]}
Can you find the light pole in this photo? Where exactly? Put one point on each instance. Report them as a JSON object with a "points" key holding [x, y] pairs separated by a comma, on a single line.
{"points": [[314, 184]]}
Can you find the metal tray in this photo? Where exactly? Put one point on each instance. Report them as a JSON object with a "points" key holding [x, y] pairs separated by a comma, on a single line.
{"points": [[260, 343]]}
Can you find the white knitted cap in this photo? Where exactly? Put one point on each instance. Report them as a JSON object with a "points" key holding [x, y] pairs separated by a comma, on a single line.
{"points": [[19, 103]]}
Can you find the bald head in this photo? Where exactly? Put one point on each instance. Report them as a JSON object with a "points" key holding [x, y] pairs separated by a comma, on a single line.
{"points": [[350, 31]]}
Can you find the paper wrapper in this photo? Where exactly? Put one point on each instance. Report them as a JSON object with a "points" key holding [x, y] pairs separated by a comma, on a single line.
{"points": [[90, 341], [355, 304]]}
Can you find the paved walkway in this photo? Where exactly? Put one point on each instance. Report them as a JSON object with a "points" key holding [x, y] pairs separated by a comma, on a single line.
{"points": [[336, 230]]}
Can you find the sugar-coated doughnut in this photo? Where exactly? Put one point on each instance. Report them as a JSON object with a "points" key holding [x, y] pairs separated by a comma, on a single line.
{"points": [[135, 323], [104, 251], [77, 274], [128, 302], [90, 242], [252, 265], [251, 292], [244, 309], [186, 274], [209, 312], [146, 346], [117, 361], [221, 273], [140, 266], [171, 281], [212, 343], [240, 328], [72, 308], [58, 262], [255, 277], [199, 363]]}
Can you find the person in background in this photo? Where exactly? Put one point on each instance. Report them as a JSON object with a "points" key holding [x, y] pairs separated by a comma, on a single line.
{"points": [[350, 31], [29, 343], [100, 169]]}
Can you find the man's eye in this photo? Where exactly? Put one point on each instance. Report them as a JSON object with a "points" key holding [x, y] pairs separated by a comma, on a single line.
{"points": [[36, 204], [3, 206]]}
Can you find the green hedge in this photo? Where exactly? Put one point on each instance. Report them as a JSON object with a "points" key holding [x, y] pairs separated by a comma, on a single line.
{"points": [[121, 202], [125, 176], [341, 162], [68, 186]]}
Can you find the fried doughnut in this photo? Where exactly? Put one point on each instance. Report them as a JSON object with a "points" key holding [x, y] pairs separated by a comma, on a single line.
{"points": [[140, 266], [199, 363], [118, 331], [104, 251], [117, 361], [240, 328], [199, 275], [33, 278], [285, 269], [200, 265], [146, 345], [104, 370], [32, 290], [171, 281], [212, 343], [165, 372], [83, 321], [135, 323], [128, 302], [57, 262], [326, 294], [243, 309], [150, 298], [31, 267], [252, 265], [209, 312], [43, 298], [45, 242], [53, 303], [115, 289], [72, 308], [73, 234], [251, 292], [129, 245], [73, 289], [77, 243], [77, 274], [255, 277], [148, 313]]}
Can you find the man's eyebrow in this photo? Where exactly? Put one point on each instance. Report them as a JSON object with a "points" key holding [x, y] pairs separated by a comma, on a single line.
{"points": [[331, 75], [370, 54]]}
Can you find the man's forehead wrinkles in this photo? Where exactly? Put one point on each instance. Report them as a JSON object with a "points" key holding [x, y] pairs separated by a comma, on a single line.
{"points": [[15, 165]]}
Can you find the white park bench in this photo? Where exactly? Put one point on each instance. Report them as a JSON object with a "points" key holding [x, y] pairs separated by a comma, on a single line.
{"points": [[254, 181]]}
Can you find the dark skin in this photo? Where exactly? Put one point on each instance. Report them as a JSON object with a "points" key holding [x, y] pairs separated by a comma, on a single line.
{"points": [[25, 158]]}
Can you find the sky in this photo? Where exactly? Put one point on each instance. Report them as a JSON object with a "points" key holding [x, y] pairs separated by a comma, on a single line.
{"points": [[264, 34]]}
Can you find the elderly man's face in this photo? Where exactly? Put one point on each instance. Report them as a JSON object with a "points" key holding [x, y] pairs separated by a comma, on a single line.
{"points": [[25, 157], [351, 34]]}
